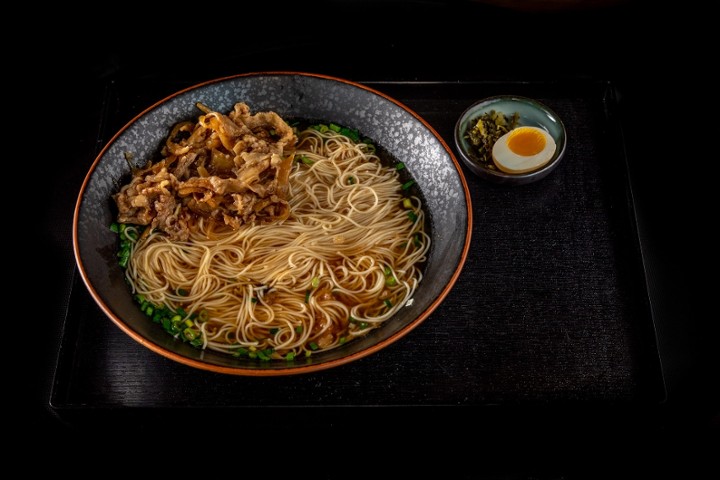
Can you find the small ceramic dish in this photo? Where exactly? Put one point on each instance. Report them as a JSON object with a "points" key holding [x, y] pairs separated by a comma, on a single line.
{"points": [[524, 112]]}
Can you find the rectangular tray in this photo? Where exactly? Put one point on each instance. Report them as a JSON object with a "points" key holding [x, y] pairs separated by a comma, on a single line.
{"points": [[551, 308]]}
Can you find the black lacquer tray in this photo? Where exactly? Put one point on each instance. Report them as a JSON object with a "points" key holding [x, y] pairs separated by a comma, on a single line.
{"points": [[551, 308]]}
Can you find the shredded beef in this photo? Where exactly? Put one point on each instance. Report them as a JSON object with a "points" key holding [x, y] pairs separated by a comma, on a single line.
{"points": [[232, 169]]}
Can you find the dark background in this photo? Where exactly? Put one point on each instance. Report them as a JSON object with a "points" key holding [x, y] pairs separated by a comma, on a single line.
{"points": [[636, 48]]}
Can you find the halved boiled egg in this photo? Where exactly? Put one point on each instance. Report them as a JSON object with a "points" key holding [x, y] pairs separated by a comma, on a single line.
{"points": [[523, 149]]}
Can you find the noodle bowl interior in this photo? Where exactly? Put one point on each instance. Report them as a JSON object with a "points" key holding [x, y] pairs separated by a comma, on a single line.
{"points": [[259, 239]]}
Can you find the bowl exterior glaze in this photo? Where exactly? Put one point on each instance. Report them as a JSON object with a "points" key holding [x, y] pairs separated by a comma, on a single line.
{"points": [[393, 126], [532, 113]]}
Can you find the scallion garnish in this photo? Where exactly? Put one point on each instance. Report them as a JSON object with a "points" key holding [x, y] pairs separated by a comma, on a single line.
{"points": [[304, 159]]}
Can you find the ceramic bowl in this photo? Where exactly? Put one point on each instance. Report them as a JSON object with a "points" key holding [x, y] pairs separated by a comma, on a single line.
{"points": [[395, 128], [530, 113]]}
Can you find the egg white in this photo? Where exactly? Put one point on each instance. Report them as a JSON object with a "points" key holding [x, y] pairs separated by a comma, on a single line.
{"points": [[512, 162]]}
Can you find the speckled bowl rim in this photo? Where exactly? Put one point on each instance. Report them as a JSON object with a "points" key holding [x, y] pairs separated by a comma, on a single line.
{"points": [[551, 122], [462, 239]]}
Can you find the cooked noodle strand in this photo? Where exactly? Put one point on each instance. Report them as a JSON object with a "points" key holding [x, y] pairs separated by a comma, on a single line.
{"points": [[345, 260]]}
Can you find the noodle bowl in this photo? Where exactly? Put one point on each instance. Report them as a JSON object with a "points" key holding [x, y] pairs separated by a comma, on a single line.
{"points": [[344, 259]]}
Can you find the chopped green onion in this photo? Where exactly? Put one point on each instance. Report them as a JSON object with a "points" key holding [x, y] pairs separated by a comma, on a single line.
{"points": [[265, 354], [411, 215], [190, 333], [388, 303], [298, 329], [334, 127], [351, 181], [315, 282], [352, 134], [416, 240], [240, 351], [273, 330], [399, 166], [307, 296], [408, 184], [290, 356], [313, 346], [407, 203]]}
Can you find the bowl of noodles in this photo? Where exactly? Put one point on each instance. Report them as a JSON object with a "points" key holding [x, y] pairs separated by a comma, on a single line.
{"points": [[272, 223]]}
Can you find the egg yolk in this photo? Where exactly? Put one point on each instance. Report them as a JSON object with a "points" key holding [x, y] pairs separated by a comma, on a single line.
{"points": [[526, 141]]}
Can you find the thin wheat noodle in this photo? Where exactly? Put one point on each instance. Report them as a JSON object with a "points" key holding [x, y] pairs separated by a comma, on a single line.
{"points": [[344, 261]]}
